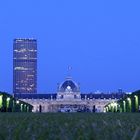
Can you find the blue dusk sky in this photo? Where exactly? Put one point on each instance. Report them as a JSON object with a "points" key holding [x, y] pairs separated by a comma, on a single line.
{"points": [[100, 39]]}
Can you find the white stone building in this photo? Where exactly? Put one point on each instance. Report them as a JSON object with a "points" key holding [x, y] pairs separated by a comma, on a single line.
{"points": [[69, 99]]}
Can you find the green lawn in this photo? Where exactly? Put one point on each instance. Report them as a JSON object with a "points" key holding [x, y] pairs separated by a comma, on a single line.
{"points": [[69, 126]]}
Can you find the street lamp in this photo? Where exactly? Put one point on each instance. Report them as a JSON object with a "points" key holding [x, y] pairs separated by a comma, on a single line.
{"points": [[17, 102], [129, 103], [115, 107], [25, 107], [136, 103], [112, 107], [106, 109], [124, 106], [21, 107], [1, 100], [109, 107], [8, 100]]}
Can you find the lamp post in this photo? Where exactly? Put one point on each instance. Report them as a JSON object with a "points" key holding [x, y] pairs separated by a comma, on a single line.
{"points": [[7, 103], [111, 107], [124, 106], [21, 107], [13, 107], [107, 109], [17, 102], [115, 107], [136, 103], [129, 104], [1, 101], [25, 108], [119, 108], [17, 106]]}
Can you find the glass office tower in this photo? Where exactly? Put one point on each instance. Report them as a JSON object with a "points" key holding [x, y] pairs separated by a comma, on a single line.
{"points": [[25, 66]]}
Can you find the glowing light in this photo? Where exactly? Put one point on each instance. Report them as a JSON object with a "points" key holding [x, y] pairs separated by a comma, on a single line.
{"points": [[128, 99], [8, 99], [135, 96], [17, 102], [68, 87], [1, 100], [136, 103], [112, 104]]}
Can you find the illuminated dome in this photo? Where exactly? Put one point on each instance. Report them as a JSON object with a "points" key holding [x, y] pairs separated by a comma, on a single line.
{"points": [[69, 86]]}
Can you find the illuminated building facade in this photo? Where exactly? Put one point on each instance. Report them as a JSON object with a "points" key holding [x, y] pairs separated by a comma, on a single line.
{"points": [[25, 66], [69, 99]]}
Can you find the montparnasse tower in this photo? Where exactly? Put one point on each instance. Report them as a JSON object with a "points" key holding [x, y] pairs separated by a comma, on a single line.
{"points": [[24, 66]]}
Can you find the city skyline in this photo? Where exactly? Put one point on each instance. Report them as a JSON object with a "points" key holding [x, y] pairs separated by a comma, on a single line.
{"points": [[100, 40]]}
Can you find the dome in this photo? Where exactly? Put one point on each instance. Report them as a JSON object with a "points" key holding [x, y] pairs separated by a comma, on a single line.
{"points": [[69, 85]]}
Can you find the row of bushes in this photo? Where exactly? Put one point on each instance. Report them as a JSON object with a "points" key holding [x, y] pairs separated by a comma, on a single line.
{"points": [[9, 104], [130, 103]]}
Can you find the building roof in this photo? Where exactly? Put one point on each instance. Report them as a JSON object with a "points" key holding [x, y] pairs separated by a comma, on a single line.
{"points": [[83, 96], [35, 96], [102, 96]]}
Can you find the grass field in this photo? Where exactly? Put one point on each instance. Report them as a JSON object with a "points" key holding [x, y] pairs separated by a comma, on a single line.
{"points": [[69, 126]]}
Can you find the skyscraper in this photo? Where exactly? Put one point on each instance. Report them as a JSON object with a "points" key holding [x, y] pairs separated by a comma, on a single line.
{"points": [[25, 66]]}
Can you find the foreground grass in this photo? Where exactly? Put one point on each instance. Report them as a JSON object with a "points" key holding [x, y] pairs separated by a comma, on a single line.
{"points": [[73, 126]]}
